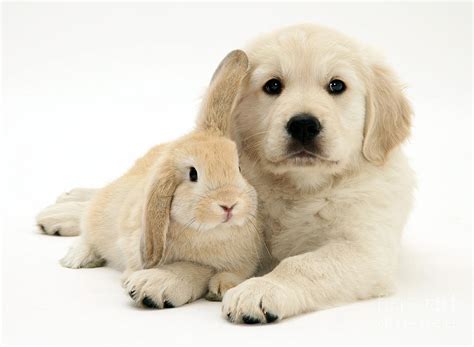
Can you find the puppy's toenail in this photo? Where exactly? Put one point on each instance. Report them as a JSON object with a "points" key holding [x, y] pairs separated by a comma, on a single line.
{"points": [[41, 226], [148, 302], [168, 304], [132, 294], [250, 320], [56, 233], [270, 317]]}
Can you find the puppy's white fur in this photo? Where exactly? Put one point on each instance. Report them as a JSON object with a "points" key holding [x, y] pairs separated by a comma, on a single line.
{"points": [[333, 223]]}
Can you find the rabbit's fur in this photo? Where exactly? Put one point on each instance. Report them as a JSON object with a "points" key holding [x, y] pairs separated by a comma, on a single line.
{"points": [[173, 237]]}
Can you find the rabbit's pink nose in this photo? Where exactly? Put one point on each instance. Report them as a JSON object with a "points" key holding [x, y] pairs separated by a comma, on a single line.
{"points": [[228, 211], [227, 208]]}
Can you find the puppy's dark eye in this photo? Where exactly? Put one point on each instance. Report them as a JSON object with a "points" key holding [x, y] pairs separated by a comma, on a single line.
{"points": [[240, 169], [193, 175], [273, 87], [336, 87]]}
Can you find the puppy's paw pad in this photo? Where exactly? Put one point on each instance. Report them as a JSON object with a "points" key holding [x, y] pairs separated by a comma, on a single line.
{"points": [[250, 320], [168, 304], [148, 302], [270, 317]]}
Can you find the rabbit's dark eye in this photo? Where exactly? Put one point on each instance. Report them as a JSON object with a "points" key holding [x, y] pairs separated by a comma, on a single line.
{"points": [[273, 87], [336, 87], [193, 175]]}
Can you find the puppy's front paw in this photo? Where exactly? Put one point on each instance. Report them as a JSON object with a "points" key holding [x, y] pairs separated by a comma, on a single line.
{"points": [[61, 219], [254, 301], [220, 283], [159, 288]]}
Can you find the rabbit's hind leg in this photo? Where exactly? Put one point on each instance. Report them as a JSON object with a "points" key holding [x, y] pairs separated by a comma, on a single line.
{"points": [[77, 194], [61, 219]]}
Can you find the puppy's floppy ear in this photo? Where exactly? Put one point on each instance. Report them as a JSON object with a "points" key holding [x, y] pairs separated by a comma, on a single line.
{"points": [[388, 115], [220, 97], [156, 213]]}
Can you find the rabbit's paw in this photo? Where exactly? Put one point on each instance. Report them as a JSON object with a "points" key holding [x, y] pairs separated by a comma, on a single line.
{"points": [[255, 301], [61, 219], [220, 283], [159, 288], [81, 255], [77, 194]]}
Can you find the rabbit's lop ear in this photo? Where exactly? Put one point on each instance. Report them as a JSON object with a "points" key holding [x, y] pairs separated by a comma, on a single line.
{"points": [[156, 214], [219, 100]]}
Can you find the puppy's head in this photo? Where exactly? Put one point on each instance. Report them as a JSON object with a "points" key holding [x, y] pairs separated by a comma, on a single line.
{"points": [[316, 99]]}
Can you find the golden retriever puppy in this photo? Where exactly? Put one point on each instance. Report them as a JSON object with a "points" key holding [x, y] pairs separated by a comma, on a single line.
{"points": [[319, 123]]}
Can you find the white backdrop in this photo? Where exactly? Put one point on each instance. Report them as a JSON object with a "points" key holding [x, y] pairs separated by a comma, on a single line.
{"points": [[87, 88]]}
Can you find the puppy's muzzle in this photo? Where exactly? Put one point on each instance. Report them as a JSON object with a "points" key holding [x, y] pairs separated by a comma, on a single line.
{"points": [[303, 128]]}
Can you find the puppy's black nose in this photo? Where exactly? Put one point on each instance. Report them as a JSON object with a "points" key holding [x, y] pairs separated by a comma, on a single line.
{"points": [[303, 127]]}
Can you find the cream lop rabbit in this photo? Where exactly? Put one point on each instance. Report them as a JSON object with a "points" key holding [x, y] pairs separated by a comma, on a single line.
{"points": [[182, 222]]}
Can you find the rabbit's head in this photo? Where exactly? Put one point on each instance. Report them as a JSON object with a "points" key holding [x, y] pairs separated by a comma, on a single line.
{"points": [[210, 189], [197, 181]]}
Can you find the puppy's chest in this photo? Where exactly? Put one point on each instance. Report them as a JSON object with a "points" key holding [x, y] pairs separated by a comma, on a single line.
{"points": [[292, 223]]}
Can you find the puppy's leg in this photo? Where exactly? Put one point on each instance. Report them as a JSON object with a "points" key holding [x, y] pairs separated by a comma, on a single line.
{"points": [[81, 255], [170, 285], [62, 219], [77, 194], [336, 273]]}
